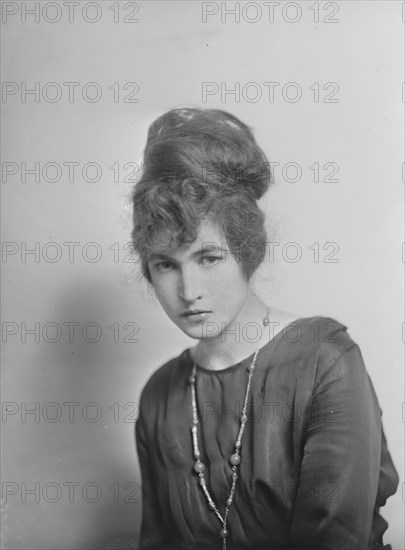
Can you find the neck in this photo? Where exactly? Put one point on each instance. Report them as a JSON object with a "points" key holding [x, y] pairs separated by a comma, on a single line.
{"points": [[230, 346]]}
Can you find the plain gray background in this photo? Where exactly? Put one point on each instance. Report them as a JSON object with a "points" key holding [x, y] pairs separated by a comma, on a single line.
{"points": [[349, 52]]}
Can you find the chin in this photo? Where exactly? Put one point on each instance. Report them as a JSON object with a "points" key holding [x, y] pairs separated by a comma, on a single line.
{"points": [[195, 330], [197, 333]]}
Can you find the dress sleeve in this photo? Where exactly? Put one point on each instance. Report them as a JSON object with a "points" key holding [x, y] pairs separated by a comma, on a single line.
{"points": [[339, 474], [151, 536]]}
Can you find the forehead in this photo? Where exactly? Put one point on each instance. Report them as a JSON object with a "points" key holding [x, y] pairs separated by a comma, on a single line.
{"points": [[209, 238]]}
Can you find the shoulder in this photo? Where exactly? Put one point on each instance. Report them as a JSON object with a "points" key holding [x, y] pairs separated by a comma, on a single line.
{"points": [[158, 383], [164, 385], [329, 336], [306, 337], [328, 367], [314, 345], [336, 357]]}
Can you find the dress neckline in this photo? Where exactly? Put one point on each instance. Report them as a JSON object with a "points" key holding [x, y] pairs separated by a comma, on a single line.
{"points": [[246, 360]]}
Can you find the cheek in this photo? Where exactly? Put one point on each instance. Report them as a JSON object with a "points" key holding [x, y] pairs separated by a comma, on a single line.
{"points": [[233, 293], [230, 285], [234, 274], [164, 290]]}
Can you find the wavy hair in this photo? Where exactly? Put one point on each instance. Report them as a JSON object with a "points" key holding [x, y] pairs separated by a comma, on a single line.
{"points": [[201, 164]]}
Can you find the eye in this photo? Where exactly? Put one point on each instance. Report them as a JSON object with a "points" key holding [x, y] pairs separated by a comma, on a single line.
{"points": [[210, 260], [164, 266]]}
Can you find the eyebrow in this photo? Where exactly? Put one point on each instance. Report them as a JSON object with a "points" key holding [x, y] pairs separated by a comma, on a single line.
{"points": [[207, 248]]}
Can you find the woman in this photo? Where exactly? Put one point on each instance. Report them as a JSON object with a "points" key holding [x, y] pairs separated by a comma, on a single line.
{"points": [[267, 433]]}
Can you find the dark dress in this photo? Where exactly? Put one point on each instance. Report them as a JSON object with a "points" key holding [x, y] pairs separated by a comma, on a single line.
{"points": [[315, 467]]}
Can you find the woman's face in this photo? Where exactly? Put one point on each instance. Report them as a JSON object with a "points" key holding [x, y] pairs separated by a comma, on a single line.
{"points": [[201, 286]]}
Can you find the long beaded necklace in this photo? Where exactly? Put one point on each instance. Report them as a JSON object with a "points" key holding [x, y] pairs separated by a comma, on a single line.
{"points": [[235, 458]]}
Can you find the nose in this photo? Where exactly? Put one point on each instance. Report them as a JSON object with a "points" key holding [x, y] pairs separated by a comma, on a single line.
{"points": [[190, 285]]}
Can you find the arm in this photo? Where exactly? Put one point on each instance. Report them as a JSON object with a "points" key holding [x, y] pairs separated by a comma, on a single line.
{"points": [[340, 466]]}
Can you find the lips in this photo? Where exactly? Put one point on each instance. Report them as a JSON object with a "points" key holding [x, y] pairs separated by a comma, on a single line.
{"points": [[192, 312]]}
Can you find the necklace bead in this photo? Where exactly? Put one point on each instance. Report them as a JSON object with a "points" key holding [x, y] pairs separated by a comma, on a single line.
{"points": [[199, 466], [224, 533], [235, 460]]}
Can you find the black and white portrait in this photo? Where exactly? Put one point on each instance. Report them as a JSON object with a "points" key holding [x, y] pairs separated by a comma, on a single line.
{"points": [[202, 260]]}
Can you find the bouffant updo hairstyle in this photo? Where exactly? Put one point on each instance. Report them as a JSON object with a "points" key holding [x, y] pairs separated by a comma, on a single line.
{"points": [[201, 164]]}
